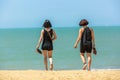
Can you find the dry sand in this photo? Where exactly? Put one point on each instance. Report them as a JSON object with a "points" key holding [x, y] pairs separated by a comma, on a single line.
{"points": [[59, 75]]}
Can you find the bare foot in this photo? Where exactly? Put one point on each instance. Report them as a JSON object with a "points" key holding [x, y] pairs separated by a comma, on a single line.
{"points": [[84, 66]]}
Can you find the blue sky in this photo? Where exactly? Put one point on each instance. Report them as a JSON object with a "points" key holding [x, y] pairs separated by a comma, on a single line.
{"points": [[61, 13]]}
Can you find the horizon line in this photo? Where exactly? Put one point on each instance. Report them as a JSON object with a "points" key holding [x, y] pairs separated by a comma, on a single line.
{"points": [[52, 27]]}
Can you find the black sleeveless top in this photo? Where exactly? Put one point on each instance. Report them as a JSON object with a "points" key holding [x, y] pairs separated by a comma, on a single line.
{"points": [[47, 42], [86, 41], [86, 37]]}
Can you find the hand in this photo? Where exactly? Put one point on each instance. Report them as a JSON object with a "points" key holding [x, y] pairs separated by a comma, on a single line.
{"points": [[39, 51], [37, 48], [75, 46], [94, 51]]}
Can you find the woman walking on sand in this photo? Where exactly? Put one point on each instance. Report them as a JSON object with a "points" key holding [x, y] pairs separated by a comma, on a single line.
{"points": [[47, 37], [86, 36]]}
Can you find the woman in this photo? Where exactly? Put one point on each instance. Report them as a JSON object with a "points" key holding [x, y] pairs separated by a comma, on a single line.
{"points": [[86, 36], [47, 37]]}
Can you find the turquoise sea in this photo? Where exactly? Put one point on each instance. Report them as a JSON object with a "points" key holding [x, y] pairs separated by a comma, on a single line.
{"points": [[17, 49]]}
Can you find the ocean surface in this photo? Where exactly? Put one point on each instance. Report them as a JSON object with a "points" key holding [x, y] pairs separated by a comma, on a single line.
{"points": [[17, 49]]}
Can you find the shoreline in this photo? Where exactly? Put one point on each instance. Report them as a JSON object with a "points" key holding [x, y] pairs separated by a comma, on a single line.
{"points": [[59, 75], [53, 70]]}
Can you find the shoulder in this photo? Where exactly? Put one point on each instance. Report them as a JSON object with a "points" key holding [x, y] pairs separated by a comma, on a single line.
{"points": [[81, 29], [42, 31], [91, 29]]}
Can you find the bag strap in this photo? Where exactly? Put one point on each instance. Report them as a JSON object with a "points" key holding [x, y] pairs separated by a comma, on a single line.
{"points": [[84, 35], [49, 35]]}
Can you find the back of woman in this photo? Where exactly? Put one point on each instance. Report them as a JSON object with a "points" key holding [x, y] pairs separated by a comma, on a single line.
{"points": [[47, 37], [86, 36], [47, 42]]}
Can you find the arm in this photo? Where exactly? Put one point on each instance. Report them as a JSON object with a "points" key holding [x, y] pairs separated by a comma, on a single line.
{"points": [[40, 39], [54, 35], [93, 38], [79, 38]]}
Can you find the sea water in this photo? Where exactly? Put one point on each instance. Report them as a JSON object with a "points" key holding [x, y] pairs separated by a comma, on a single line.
{"points": [[17, 49]]}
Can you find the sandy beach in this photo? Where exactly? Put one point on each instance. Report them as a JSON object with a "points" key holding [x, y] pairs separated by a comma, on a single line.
{"points": [[59, 75]]}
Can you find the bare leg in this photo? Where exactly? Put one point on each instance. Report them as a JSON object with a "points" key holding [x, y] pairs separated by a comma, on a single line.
{"points": [[50, 59], [83, 60], [89, 60], [45, 59]]}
